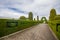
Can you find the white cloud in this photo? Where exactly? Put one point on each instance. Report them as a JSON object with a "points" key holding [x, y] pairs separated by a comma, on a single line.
{"points": [[10, 14], [38, 7]]}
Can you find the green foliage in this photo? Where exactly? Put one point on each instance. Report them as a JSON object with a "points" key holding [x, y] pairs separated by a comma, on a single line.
{"points": [[53, 24], [30, 16], [44, 19], [52, 14], [22, 24], [57, 17], [22, 18], [12, 23], [53, 20]]}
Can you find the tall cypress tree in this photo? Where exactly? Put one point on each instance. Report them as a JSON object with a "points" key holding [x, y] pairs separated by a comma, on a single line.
{"points": [[30, 16], [37, 18], [52, 14]]}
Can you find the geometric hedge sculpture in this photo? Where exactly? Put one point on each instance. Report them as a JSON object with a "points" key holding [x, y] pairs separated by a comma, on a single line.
{"points": [[52, 14], [44, 20]]}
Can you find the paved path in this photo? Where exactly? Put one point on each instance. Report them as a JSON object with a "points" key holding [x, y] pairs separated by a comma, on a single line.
{"points": [[38, 32]]}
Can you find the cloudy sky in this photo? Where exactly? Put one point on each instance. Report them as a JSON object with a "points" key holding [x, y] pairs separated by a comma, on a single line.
{"points": [[17, 8]]}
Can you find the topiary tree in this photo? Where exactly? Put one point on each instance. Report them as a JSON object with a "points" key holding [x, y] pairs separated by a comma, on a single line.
{"points": [[52, 14], [37, 18], [43, 19], [22, 18], [30, 16]]}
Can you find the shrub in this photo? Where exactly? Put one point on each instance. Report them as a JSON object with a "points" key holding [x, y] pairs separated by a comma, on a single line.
{"points": [[22, 24]]}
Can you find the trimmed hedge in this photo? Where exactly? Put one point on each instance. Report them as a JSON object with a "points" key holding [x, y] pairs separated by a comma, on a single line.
{"points": [[53, 26], [6, 30]]}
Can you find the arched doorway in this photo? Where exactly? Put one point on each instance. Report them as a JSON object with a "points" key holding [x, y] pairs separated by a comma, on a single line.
{"points": [[44, 20]]}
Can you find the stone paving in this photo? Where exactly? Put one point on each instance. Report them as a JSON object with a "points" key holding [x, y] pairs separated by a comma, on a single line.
{"points": [[38, 32]]}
